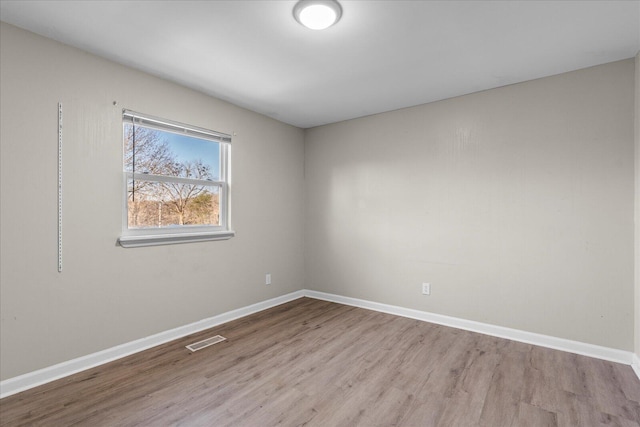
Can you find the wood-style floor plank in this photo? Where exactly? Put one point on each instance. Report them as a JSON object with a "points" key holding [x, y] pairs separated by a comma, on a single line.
{"points": [[316, 363]]}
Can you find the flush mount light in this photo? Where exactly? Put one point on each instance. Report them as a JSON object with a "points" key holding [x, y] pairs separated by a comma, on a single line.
{"points": [[317, 14]]}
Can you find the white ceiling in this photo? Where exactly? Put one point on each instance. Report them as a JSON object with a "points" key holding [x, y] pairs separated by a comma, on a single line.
{"points": [[381, 56]]}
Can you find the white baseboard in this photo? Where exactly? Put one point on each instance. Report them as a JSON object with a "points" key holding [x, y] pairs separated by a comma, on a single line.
{"points": [[636, 365], [591, 350], [61, 370]]}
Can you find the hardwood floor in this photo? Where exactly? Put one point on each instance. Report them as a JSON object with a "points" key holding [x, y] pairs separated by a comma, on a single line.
{"points": [[316, 363]]}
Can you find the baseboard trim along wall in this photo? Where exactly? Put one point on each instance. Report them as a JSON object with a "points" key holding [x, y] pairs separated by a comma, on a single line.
{"points": [[636, 365], [591, 350], [61, 370], [64, 369]]}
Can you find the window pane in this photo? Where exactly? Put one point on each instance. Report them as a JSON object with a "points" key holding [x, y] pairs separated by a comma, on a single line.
{"points": [[165, 153], [168, 204]]}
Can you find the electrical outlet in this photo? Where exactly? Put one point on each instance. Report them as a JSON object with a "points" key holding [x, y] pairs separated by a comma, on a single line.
{"points": [[267, 279], [426, 289]]}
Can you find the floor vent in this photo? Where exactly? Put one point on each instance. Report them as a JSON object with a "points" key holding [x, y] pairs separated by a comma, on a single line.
{"points": [[206, 343]]}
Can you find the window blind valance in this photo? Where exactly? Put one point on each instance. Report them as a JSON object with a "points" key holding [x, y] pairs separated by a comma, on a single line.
{"points": [[174, 127]]}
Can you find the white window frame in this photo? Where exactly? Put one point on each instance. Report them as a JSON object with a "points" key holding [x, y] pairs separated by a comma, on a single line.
{"points": [[136, 237]]}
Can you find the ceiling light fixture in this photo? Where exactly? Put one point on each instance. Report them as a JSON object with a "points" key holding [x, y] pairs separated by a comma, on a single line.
{"points": [[317, 14]]}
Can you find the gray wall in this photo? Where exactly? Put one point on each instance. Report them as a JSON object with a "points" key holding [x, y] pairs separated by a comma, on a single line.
{"points": [[637, 213], [516, 204], [107, 295]]}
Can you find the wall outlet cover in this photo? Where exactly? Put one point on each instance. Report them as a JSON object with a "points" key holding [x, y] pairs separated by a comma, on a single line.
{"points": [[426, 289]]}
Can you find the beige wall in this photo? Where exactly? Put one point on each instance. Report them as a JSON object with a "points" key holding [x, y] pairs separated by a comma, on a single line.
{"points": [[516, 204], [107, 295]]}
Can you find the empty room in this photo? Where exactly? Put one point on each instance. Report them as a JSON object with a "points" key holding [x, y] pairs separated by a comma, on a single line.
{"points": [[320, 213]]}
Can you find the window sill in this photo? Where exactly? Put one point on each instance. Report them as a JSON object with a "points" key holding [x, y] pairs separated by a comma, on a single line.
{"points": [[172, 239]]}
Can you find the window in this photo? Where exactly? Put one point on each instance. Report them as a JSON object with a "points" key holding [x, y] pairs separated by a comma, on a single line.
{"points": [[176, 182]]}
